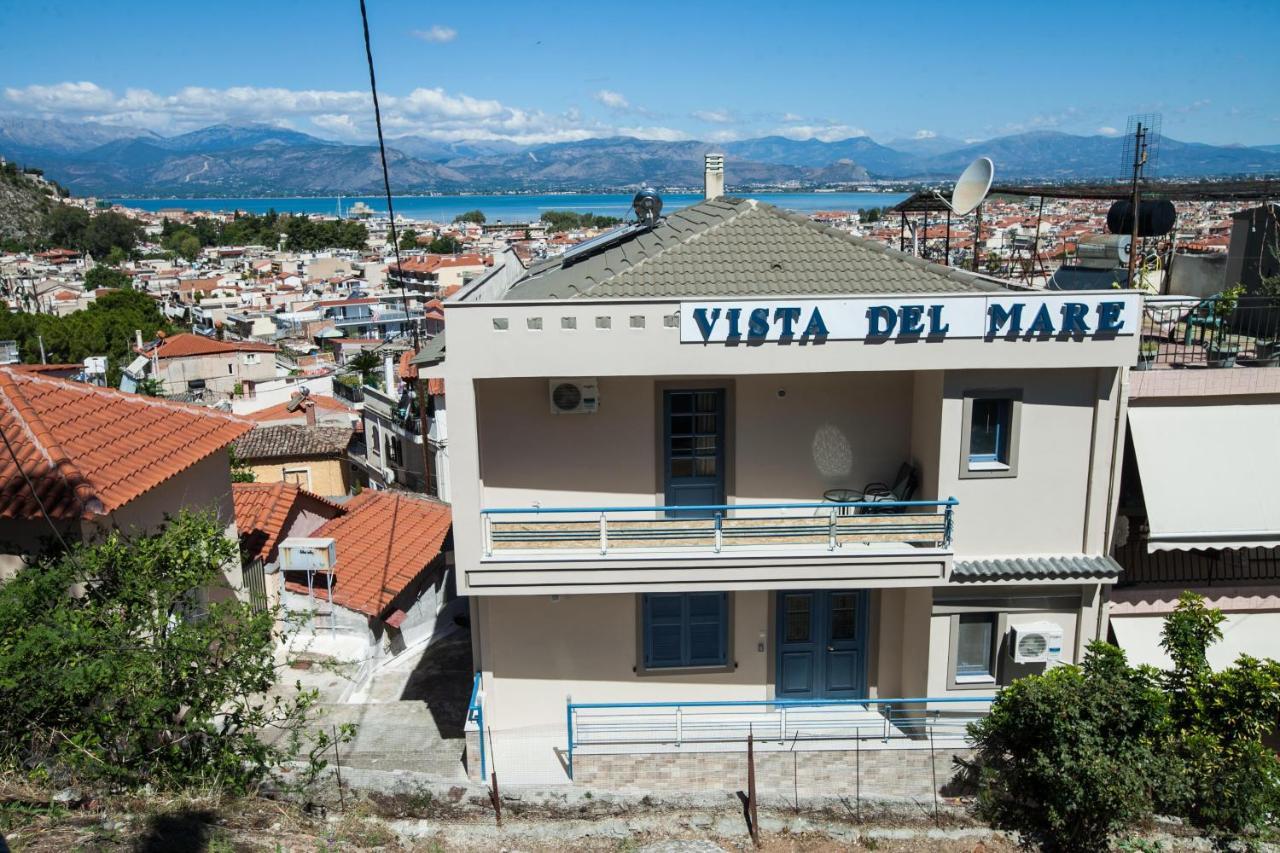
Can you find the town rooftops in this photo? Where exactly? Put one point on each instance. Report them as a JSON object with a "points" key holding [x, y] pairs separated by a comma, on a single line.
{"points": [[740, 247], [186, 345], [290, 440], [384, 541], [88, 451], [280, 411]]}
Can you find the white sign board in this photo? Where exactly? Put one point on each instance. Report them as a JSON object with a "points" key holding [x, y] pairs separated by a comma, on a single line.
{"points": [[1031, 316]]}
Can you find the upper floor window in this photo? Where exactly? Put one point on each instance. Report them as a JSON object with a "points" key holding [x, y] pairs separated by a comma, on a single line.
{"points": [[685, 629], [251, 358], [989, 443]]}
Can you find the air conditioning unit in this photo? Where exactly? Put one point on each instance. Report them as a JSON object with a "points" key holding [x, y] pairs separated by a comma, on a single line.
{"points": [[306, 553], [573, 396], [1035, 642]]}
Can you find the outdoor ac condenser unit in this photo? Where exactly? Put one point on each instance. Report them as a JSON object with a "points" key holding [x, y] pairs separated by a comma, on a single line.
{"points": [[573, 396], [1036, 642]]}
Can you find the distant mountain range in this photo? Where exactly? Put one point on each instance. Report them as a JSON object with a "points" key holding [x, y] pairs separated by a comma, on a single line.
{"points": [[260, 160]]}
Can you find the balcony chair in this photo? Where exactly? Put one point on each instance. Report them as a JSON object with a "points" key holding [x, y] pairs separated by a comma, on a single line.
{"points": [[904, 486]]}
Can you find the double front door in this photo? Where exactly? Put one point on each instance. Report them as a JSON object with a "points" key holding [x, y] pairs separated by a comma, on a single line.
{"points": [[821, 641]]}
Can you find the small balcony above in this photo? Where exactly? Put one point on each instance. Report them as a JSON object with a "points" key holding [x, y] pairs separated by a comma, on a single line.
{"points": [[736, 546]]}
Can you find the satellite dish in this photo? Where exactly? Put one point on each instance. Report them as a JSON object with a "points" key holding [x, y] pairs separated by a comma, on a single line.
{"points": [[972, 188]]}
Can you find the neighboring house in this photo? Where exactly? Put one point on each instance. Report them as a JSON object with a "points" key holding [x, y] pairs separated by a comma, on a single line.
{"points": [[1198, 508], [100, 459], [431, 274], [393, 452], [193, 363], [313, 457], [266, 515], [373, 579], [837, 493]]}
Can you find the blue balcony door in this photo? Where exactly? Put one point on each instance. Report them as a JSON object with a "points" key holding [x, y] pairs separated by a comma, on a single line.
{"points": [[693, 449], [822, 644]]}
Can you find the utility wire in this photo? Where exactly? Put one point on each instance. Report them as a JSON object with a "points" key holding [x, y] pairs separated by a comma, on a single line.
{"points": [[386, 179]]}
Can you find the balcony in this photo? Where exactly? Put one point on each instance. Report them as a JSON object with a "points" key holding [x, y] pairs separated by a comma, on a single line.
{"points": [[771, 545], [398, 413]]}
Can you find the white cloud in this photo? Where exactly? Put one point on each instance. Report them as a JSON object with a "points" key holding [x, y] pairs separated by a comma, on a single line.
{"points": [[925, 134], [824, 133], [436, 34], [1108, 131], [612, 100], [714, 116], [792, 117], [433, 113]]}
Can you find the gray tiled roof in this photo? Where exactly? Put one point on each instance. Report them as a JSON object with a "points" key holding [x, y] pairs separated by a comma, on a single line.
{"points": [[1035, 568], [271, 442], [742, 247], [432, 352]]}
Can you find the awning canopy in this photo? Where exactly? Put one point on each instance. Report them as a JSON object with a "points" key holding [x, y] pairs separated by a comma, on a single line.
{"points": [[1242, 633], [1210, 474]]}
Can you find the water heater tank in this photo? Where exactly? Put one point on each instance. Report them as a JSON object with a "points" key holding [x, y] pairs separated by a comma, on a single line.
{"points": [[1104, 251]]}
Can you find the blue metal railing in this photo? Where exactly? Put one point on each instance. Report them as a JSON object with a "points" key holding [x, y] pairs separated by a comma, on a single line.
{"points": [[475, 714], [717, 525], [781, 720]]}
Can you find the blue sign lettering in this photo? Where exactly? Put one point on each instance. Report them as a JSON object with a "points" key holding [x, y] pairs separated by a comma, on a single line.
{"points": [[1000, 315], [758, 324], [912, 319], [1109, 316], [1073, 318], [816, 328], [705, 325], [788, 316], [936, 327], [883, 319]]}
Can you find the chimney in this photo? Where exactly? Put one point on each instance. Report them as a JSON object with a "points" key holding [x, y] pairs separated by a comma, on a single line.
{"points": [[137, 336], [389, 373], [713, 176], [310, 408]]}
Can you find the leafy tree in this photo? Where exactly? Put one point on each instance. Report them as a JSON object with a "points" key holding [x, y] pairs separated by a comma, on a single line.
{"points": [[151, 673], [474, 216], [870, 214], [184, 244], [445, 245], [1071, 757], [240, 471], [116, 256], [1220, 719], [366, 364], [110, 230], [104, 328], [65, 226], [568, 220], [408, 239], [149, 386], [105, 276]]}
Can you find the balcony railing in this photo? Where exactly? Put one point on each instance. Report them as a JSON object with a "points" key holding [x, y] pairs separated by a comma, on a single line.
{"points": [[1216, 332], [836, 723], [718, 527]]}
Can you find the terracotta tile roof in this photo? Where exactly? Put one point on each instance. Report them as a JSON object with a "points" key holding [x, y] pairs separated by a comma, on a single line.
{"points": [[263, 511], [186, 344], [408, 372], [281, 410], [285, 440], [384, 542], [90, 450]]}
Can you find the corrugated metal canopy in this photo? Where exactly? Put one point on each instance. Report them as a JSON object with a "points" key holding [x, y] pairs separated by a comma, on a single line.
{"points": [[1209, 474], [1072, 567]]}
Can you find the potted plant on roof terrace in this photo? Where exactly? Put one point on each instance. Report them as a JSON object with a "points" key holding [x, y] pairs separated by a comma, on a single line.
{"points": [[1221, 351], [1147, 352]]}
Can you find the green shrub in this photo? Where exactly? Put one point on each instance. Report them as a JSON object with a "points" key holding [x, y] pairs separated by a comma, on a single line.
{"points": [[1219, 719], [126, 662], [1071, 757]]}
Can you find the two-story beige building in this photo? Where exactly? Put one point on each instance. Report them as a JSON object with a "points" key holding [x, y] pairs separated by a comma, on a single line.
{"points": [[187, 363], [731, 471]]}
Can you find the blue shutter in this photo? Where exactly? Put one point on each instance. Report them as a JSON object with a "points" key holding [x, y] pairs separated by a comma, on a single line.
{"points": [[663, 622], [707, 628]]}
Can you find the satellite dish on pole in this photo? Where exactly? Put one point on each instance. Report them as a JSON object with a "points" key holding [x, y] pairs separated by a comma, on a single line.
{"points": [[972, 188]]}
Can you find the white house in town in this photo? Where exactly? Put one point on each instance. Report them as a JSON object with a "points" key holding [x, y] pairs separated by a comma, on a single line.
{"points": [[731, 470]]}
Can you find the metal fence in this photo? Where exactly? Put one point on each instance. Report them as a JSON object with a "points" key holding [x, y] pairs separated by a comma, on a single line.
{"points": [[253, 575], [715, 527], [834, 723], [1216, 332]]}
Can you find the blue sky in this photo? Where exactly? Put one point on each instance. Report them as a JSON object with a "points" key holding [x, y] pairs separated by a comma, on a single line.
{"points": [[547, 71]]}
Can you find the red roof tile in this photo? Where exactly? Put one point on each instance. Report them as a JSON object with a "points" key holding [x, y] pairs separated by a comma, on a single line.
{"points": [[384, 542], [263, 511], [89, 451], [185, 344]]}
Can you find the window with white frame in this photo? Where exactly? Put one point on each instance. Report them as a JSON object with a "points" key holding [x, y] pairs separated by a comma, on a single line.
{"points": [[973, 652]]}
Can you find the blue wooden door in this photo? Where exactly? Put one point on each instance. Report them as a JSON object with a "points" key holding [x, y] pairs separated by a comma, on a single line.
{"points": [[693, 449], [821, 640]]}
